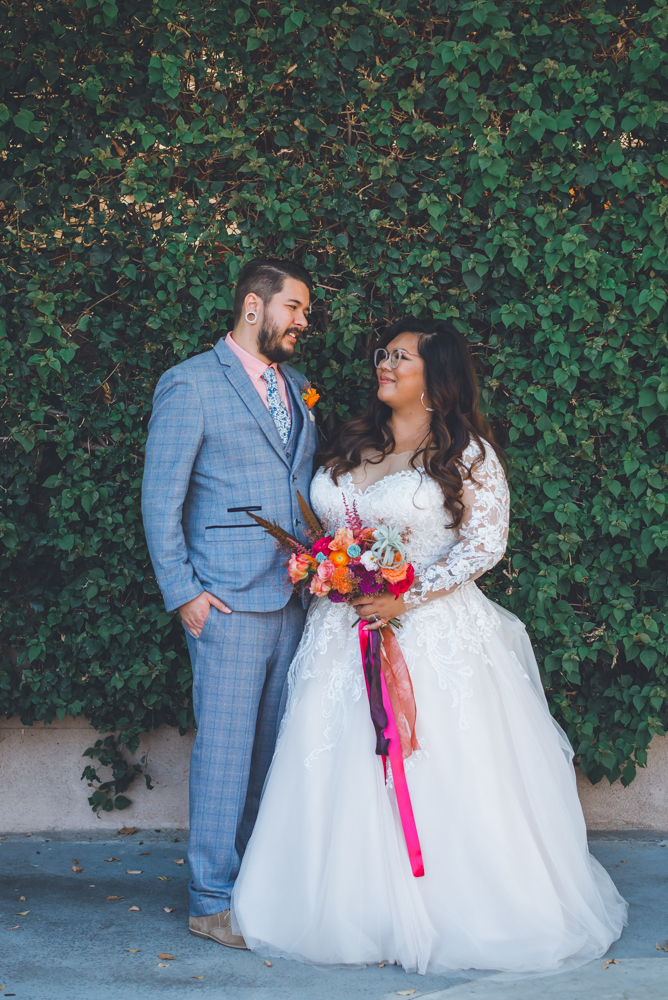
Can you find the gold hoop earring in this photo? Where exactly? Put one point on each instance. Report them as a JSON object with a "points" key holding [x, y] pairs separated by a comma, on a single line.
{"points": [[251, 312], [427, 408]]}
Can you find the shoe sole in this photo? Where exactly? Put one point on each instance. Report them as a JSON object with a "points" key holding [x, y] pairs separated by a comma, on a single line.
{"points": [[208, 937]]}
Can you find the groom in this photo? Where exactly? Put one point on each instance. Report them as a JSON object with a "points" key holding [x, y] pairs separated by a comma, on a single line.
{"points": [[230, 433]]}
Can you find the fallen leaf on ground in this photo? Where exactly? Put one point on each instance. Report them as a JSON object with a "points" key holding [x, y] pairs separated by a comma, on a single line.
{"points": [[163, 878], [169, 909], [163, 965], [16, 927], [382, 965], [22, 899], [23, 913], [163, 954], [135, 908], [128, 830], [199, 977], [3, 987], [115, 897], [143, 853], [405, 993], [268, 964], [133, 871], [133, 951], [179, 861], [610, 961], [74, 861], [77, 868], [112, 859]]}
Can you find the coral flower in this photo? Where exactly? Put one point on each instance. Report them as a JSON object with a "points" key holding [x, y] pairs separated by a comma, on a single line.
{"points": [[342, 580], [320, 587], [403, 585], [299, 566], [339, 558], [342, 539], [395, 575]]}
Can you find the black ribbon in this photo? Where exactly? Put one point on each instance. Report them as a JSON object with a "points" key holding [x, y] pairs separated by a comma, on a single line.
{"points": [[372, 670]]}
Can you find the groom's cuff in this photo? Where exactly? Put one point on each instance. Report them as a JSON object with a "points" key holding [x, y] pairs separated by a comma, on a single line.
{"points": [[174, 599]]}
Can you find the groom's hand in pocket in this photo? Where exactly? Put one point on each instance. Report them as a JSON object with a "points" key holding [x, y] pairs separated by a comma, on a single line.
{"points": [[195, 613]]}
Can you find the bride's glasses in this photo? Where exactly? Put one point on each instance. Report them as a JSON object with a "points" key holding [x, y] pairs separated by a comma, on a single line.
{"points": [[395, 356]]}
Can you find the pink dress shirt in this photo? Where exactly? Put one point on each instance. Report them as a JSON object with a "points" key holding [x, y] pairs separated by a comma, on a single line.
{"points": [[255, 368]]}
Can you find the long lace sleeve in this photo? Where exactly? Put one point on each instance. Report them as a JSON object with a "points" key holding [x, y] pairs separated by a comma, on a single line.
{"points": [[483, 532]]}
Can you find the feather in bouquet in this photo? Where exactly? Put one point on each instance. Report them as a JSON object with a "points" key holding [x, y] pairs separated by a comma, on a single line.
{"points": [[356, 561]]}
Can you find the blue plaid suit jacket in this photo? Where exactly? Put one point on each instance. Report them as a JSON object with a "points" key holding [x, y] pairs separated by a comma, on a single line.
{"points": [[213, 452]]}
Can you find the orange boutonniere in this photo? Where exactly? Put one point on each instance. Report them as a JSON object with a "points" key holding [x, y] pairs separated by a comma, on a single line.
{"points": [[310, 396]]}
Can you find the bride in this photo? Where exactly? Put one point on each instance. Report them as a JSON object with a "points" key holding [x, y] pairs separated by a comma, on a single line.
{"points": [[508, 881]]}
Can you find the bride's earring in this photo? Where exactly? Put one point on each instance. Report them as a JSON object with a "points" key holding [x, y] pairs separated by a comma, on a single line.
{"points": [[248, 317], [427, 408]]}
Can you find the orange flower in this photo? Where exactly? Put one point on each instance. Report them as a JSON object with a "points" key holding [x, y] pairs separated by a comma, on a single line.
{"points": [[342, 580], [310, 397], [339, 558]]}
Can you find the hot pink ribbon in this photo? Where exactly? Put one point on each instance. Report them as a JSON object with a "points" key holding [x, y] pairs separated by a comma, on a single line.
{"points": [[390, 734]]}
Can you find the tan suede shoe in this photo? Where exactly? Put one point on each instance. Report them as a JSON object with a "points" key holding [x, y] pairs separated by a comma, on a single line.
{"points": [[217, 927]]}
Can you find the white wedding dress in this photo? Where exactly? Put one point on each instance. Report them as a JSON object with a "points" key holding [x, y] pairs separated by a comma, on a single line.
{"points": [[509, 883]]}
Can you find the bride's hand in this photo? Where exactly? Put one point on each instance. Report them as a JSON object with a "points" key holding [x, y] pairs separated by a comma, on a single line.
{"points": [[377, 609]]}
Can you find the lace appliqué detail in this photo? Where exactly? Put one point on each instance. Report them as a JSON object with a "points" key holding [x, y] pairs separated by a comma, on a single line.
{"points": [[343, 678], [483, 533], [430, 630]]}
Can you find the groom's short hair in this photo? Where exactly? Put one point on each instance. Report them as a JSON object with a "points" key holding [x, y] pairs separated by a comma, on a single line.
{"points": [[266, 278]]}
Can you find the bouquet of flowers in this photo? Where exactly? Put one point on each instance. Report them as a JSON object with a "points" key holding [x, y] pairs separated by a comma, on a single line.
{"points": [[357, 560], [360, 560]]}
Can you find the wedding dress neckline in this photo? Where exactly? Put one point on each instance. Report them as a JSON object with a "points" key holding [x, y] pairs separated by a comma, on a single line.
{"points": [[370, 473], [383, 479]]}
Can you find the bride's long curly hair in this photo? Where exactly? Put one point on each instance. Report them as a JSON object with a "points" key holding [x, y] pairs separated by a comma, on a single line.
{"points": [[452, 388]]}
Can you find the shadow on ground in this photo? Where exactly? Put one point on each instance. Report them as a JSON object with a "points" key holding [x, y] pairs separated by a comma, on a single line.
{"points": [[69, 941]]}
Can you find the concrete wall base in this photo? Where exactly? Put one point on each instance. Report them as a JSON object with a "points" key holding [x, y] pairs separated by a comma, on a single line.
{"points": [[41, 765]]}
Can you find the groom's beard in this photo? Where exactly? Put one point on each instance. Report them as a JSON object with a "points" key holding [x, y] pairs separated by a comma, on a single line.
{"points": [[270, 343]]}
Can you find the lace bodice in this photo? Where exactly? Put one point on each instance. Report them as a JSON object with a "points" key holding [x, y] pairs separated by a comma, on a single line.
{"points": [[443, 557]]}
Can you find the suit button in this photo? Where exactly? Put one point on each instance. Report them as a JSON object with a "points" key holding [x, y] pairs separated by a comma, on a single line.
{"points": [[296, 521], [294, 479]]}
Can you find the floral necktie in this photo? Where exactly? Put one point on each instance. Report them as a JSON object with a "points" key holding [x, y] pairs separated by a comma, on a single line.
{"points": [[277, 407]]}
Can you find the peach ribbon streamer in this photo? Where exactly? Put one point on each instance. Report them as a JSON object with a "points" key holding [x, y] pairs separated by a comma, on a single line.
{"points": [[400, 691]]}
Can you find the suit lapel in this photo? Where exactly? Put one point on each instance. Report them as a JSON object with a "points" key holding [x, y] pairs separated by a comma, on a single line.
{"points": [[240, 380], [296, 396]]}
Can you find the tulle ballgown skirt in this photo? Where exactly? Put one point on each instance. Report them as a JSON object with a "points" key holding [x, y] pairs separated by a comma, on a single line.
{"points": [[509, 883]]}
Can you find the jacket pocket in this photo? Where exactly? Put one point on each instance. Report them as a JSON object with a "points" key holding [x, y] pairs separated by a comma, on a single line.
{"points": [[234, 523]]}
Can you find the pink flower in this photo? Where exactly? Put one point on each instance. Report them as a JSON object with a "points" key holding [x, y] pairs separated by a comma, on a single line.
{"points": [[325, 570], [320, 587], [299, 566], [322, 545]]}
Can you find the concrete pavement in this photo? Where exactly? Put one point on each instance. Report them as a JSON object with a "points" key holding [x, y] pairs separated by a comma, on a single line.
{"points": [[67, 940]]}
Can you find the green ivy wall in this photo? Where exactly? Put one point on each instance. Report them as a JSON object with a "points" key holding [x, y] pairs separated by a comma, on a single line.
{"points": [[499, 164]]}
